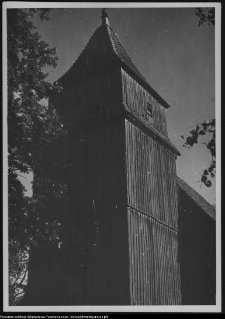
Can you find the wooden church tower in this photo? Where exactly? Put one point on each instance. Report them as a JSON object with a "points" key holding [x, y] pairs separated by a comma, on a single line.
{"points": [[120, 241]]}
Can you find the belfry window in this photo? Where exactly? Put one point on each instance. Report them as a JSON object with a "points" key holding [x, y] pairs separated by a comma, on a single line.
{"points": [[149, 109]]}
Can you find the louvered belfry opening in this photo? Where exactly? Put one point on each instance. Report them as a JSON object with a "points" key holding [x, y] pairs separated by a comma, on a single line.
{"points": [[120, 231]]}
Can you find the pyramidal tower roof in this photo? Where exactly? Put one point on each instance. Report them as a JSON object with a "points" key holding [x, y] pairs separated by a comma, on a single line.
{"points": [[103, 53]]}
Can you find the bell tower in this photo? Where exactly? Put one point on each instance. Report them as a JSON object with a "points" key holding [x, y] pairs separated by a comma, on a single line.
{"points": [[121, 228]]}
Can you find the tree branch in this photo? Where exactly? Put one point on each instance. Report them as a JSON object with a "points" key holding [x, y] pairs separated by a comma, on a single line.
{"points": [[19, 293], [24, 276]]}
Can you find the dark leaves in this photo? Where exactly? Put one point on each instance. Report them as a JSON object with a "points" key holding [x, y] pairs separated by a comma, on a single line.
{"points": [[208, 183], [206, 15], [203, 178], [27, 54], [202, 132], [205, 172], [205, 128], [32, 130]]}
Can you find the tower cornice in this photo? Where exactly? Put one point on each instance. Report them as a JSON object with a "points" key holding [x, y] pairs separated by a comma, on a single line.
{"points": [[123, 110]]}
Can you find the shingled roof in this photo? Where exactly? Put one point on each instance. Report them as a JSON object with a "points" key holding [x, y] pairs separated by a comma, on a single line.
{"points": [[102, 53], [198, 199]]}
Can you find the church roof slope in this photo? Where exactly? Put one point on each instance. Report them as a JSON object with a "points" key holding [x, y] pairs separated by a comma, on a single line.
{"points": [[128, 64], [198, 199], [102, 53]]}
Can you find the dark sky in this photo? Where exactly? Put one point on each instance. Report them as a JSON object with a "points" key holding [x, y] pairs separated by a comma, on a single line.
{"points": [[175, 56]]}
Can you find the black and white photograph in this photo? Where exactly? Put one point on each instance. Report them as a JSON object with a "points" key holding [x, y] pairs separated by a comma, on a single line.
{"points": [[111, 159]]}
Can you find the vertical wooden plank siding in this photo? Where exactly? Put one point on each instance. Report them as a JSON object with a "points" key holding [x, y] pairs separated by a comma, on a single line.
{"points": [[136, 99], [152, 220], [151, 176], [154, 271], [108, 249]]}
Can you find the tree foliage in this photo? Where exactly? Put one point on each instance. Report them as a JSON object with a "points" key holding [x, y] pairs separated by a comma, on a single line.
{"points": [[207, 127], [32, 130], [206, 15]]}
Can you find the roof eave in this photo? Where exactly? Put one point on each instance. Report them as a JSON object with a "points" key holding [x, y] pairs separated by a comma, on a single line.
{"points": [[145, 85], [151, 130], [207, 207]]}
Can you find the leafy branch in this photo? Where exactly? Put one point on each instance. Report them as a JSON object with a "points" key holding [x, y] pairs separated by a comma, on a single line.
{"points": [[32, 129], [201, 129], [206, 15]]}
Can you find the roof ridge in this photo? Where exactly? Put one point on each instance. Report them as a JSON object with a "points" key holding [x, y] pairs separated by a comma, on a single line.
{"points": [[117, 37], [133, 68], [111, 40]]}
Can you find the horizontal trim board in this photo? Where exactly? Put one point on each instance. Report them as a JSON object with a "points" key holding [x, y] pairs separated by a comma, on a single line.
{"points": [[121, 109], [154, 269], [149, 130], [150, 216], [136, 98]]}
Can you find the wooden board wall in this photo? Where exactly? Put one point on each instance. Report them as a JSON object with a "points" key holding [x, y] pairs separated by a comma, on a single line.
{"points": [[136, 98], [112, 164], [153, 220], [95, 241], [154, 270], [151, 177]]}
